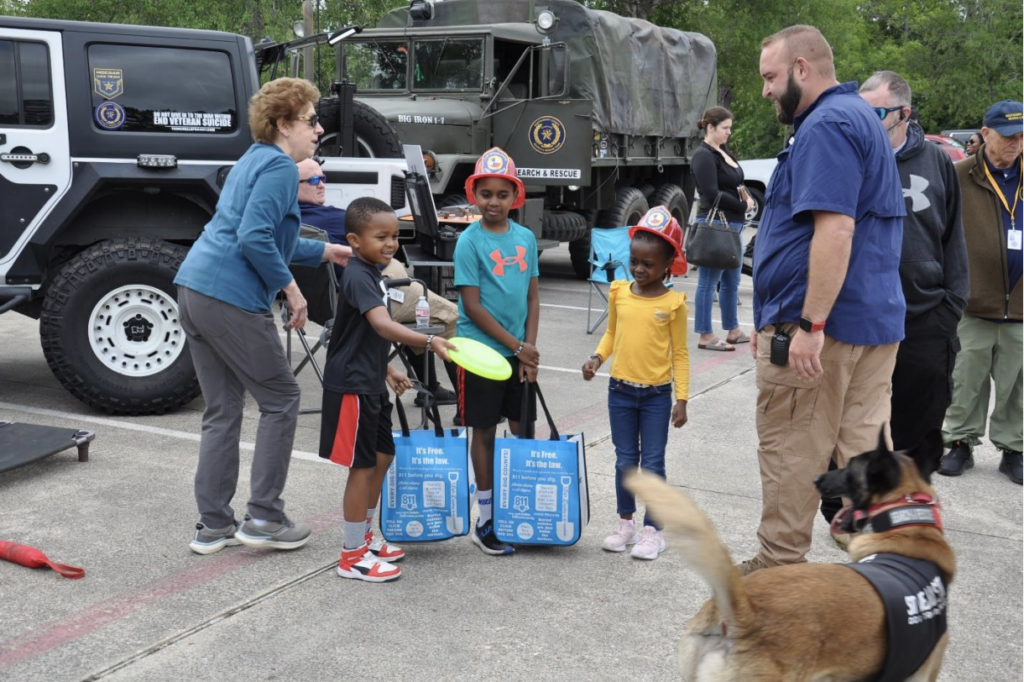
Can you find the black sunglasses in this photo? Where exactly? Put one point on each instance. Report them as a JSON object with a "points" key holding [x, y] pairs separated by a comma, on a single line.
{"points": [[882, 112], [311, 120], [315, 180]]}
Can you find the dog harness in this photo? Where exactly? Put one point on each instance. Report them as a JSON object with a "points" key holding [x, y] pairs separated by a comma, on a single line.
{"points": [[914, 594]]}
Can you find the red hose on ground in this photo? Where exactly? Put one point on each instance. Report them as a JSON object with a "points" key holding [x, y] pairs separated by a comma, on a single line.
{"points": [[33, 558]]}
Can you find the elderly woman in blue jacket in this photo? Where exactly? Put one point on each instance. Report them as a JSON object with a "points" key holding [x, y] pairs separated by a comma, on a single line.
{"points": [[225, 290]]}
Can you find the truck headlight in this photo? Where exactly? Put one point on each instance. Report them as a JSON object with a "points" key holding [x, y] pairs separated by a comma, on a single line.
{"points": [[546, 20]]}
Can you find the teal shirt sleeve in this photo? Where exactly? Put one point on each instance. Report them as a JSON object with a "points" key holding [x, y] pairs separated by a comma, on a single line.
{"points": [[273, 193], [534, 256], [308, 252], [467, 261]]}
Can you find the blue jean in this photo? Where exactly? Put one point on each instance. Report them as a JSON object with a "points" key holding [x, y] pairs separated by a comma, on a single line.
{"points": [[639, 419], [707, 282]]}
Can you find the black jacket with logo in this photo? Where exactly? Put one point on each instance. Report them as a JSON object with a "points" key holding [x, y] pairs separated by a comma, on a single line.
{"points": [[933, 264]]}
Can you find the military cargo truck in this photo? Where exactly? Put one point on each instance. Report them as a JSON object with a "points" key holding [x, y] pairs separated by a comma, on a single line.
{"points": [[598, 111]]}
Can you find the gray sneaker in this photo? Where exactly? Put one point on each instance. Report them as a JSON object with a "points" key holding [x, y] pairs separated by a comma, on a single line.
{"points": [[287, 535], [210, 540]]}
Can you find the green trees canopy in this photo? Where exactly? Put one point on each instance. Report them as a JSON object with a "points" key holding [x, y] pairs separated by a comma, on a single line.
{"points": [[959, 56]]}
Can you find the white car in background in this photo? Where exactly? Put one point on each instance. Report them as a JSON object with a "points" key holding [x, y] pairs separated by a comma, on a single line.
{"points": [[756, 174]]}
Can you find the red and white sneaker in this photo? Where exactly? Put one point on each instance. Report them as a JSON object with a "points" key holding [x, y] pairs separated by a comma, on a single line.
{"points": [[382, 550], [361, 564]]}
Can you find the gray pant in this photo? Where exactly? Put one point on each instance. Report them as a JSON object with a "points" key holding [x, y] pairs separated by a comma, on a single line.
{"points": [[235, 351]]}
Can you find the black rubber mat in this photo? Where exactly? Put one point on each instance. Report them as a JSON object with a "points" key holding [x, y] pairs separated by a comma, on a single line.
{"points": [[22, 444]]}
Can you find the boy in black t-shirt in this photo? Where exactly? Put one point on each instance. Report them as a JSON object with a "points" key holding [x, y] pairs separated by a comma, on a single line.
{"points": [[356, 427]]}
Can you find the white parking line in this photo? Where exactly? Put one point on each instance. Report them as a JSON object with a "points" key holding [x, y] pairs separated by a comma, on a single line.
{"points": [[548, 368], [129, 426]]}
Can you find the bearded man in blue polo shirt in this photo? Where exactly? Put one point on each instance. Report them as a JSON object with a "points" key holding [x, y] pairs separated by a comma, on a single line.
{"points": [[826, 284]]}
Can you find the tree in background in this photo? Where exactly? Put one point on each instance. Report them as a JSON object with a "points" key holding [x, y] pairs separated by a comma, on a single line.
{"points": [[959, 56]]}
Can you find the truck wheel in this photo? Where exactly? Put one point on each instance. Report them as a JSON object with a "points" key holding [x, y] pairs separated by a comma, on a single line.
{"points": [[579, 249], [674, 199], [110, 330], [563, 226], [647, 188], [629, 207], [375, 138]]}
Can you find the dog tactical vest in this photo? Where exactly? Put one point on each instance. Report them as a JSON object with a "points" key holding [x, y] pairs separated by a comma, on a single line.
{"points": [[914, 594]]}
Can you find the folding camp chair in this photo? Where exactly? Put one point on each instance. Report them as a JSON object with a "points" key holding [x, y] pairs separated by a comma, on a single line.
{"points": [[609, 261], [319, 286]]}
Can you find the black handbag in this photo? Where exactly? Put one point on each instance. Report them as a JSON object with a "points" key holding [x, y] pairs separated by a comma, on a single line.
{"points": [[712, 243]]}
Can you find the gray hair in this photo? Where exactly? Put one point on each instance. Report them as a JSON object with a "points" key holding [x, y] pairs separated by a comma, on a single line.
{"points": [[899, 88]]}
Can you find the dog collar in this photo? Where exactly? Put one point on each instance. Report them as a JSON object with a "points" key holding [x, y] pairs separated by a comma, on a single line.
{"points": [[915, 509]]}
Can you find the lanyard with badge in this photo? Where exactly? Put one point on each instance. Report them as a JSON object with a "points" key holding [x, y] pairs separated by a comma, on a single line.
{"points": [[1014, 236]]}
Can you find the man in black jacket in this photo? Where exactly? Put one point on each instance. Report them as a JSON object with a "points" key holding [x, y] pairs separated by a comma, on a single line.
{"points": [[933, 270]]}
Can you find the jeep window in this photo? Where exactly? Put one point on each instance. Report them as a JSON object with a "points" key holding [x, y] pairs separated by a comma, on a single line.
{"points": [[25, 99], [376, 64], [161, 90], [446, 64]]}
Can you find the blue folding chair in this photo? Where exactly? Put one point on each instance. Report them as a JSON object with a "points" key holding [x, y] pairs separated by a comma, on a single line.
{"points": [[609, 261]]}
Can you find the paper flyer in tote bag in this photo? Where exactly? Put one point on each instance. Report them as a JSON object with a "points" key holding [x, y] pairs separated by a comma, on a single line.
{"points": [[426, 489], [541, 495]]}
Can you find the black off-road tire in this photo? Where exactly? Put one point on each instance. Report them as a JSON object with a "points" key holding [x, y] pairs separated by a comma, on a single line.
{"points": [[374, 135], [75, 330], [647, 188], [579, 249], [672, 197], [629, 207], [563, 226]]}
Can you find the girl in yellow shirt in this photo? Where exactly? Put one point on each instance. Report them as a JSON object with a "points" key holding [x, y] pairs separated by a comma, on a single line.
{"points": [[647, 335]]}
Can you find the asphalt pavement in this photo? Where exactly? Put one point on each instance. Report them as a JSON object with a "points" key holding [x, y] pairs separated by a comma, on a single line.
{"points": [[149, 609]]}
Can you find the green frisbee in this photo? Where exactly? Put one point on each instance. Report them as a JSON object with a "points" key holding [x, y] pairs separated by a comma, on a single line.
{"points": [[480, 359]]}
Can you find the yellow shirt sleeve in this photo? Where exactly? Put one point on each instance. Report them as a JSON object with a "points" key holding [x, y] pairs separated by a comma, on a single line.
{"points": [[680, 350], [607, 345]]}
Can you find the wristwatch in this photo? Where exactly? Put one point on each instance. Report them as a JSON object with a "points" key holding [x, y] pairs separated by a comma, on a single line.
{"points": [[808, 326]]}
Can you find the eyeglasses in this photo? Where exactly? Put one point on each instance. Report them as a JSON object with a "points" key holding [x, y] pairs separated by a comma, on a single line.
{"points": [[312, 120], [315, 180], [882, 112]]}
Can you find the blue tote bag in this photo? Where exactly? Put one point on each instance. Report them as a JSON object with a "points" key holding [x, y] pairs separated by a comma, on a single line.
{"points": [[425, 497], [540, 486]]}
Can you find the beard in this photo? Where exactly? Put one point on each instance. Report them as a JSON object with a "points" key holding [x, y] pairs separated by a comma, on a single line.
{"points": [[789, 101]]}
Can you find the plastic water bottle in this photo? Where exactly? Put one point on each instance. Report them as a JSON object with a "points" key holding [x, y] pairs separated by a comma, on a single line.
{"points": [[422, 312]]}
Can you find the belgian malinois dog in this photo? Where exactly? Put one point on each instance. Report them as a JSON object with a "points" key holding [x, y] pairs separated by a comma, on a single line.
{"points": [[825, 622]]}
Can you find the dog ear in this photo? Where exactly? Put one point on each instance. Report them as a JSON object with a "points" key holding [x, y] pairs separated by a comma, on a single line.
{"points": [[926, 454], [882, 473]]}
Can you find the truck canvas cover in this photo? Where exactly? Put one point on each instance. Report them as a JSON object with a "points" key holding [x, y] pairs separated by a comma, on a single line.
{"points": [[642, 79]]}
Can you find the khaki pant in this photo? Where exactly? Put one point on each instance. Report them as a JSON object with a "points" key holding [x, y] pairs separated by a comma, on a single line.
{"points": [[442, 311], [801, 425], [990, 353]]}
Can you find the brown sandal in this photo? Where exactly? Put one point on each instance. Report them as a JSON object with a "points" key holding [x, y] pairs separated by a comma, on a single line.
{"points": [[716, 344], [742, 338]]}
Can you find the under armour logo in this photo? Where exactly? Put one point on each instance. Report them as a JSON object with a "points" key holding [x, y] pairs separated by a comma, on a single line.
{"points": [[501, 261], [918, 201]]}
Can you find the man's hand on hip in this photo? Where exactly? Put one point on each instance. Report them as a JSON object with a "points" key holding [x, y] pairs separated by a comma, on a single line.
{"points": [[805, 354]]}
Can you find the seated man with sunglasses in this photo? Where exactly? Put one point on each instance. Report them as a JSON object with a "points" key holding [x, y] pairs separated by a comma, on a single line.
{"points": [[315, 212]]}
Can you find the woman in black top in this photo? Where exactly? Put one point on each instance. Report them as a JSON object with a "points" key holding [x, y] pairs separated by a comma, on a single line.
{"points": [[719, 177]]}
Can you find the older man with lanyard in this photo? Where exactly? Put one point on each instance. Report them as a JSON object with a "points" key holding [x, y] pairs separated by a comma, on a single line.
{"points": [[990, 331], [828, 304]]}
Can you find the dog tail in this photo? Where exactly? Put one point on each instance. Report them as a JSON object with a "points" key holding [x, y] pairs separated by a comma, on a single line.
{"points": [[697, 542]]}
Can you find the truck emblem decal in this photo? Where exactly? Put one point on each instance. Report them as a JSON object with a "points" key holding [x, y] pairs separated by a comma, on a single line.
{"points": [[108, 83], [501, 261], [547, 135], [110, 115]]}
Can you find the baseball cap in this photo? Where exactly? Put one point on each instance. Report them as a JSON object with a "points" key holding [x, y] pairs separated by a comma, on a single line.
{"points": [[495, 163], [659, 221], [1006, 117]]}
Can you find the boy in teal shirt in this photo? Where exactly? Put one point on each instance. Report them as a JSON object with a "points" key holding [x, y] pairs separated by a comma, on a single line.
{"points": [[499, 305]]}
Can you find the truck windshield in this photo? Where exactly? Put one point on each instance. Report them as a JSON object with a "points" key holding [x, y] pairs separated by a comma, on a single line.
{"points": [[447, 64], [376, 64]]}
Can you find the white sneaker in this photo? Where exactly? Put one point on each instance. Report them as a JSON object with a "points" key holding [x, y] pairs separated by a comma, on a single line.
{"points": [[621, 537], [361, 564], [649, 545]]}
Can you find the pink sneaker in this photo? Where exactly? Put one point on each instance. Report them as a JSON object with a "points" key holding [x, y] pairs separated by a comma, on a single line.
{"points": [[649, 545], [621, 537]]}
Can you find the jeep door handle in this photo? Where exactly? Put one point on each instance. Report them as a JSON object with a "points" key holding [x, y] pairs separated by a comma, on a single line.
{"points": [[42, 158]]}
